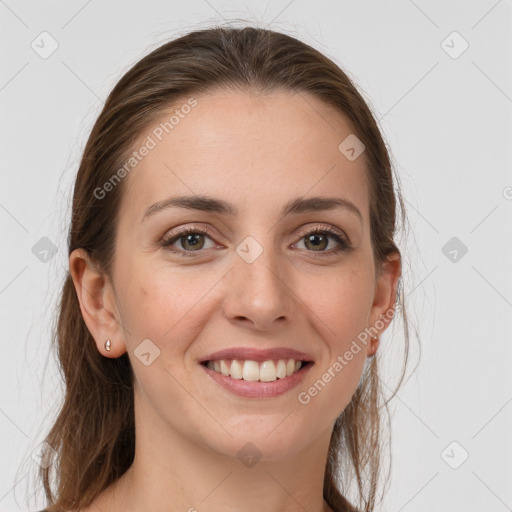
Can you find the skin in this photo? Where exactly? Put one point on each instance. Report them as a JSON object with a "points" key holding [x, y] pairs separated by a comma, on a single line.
{"points": [[258, 152]]}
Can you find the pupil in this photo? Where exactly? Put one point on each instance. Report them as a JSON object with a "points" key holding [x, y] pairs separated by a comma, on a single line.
{"points": [[190, 240], [312, 239]]}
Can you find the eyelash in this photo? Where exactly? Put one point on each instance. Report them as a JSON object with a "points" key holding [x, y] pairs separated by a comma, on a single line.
{"points": [[324, 230]]}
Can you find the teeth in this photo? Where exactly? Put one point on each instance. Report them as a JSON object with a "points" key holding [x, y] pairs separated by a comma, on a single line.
{"points": [[251, 371], [236, 370], [267, 371], [224, 368], [281, 369]]}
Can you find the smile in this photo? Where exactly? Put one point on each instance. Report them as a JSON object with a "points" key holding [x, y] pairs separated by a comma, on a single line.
{"points": [[267, 371], [248, 378]]}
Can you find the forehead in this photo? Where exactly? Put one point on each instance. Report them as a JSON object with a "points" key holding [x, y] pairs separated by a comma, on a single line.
{"points": [[257, 151]]}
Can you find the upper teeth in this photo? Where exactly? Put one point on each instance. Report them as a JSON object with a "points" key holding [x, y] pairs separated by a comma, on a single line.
{"points": [[268, 371]]}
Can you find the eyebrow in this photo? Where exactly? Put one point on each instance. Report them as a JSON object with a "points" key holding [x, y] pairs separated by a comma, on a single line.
{"points": [[213, 205]]}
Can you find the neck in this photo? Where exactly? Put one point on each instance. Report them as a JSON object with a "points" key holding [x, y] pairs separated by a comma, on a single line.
{"points": [[172, 471]]}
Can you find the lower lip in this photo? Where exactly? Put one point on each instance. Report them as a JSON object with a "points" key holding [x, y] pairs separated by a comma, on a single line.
{"points": [[258, 389]]}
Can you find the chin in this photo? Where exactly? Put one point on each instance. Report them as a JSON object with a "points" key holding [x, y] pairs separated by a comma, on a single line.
{"points": [[262, 439]]}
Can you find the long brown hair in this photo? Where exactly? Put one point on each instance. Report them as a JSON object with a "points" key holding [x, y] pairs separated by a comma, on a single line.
{"points": [[93, 437]]}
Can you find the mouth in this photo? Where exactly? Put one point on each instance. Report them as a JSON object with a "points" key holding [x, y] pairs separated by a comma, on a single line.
{"points": [[248, 378], [256, 371]]}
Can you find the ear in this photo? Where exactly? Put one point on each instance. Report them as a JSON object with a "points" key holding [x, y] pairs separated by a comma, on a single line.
{"points": [[384, 298], [97, 303]]}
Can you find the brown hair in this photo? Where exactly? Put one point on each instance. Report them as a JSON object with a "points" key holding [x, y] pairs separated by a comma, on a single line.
{"points": [[94, 433]]}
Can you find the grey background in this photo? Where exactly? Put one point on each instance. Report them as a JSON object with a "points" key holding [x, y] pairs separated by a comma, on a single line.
{"points": [[447, 121]]}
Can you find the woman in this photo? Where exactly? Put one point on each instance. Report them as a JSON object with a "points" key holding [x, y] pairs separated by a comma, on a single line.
{"points": [[231, 268]]}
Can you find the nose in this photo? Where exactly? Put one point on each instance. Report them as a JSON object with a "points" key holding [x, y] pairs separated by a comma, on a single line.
{"points": [[258, 294]]}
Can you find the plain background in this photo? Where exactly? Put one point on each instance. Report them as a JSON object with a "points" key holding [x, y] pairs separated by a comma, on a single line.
{"points": [[446, 116]]}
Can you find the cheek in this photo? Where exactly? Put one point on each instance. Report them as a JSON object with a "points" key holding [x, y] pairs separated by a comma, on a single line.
{"points": [[163, 304], [341, 305], [338, 374]]}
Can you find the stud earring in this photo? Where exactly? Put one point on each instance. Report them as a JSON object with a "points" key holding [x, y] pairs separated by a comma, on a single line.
{"points": [[108, 345], [374, 341]]}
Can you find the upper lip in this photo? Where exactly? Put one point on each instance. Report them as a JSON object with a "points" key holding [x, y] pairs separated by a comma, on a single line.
{"points": [[254, 354]]}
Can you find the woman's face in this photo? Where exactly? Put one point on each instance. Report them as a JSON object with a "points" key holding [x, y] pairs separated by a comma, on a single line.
{"points": [[256, 280]]}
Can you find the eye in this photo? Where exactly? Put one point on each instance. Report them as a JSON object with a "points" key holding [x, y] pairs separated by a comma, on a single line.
{"points": [[317, 240], [190, 239]]}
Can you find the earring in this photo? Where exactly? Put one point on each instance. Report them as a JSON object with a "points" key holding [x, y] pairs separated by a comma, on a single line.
{"points": [[374, 341], [108, 344]]}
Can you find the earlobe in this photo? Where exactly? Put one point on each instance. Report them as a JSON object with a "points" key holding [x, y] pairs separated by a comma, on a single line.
{"points": [[97, 304], [374, 345], [384, 298]]}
